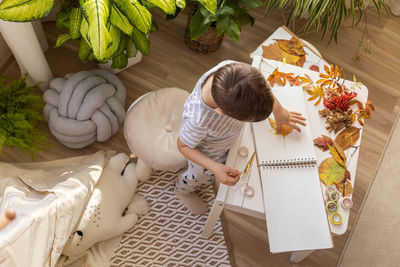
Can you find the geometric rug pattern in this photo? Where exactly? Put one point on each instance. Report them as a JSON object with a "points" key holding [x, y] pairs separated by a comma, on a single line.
{"points": [[169, 235]]}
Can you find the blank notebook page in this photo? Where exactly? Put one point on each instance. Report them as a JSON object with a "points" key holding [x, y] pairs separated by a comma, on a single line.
{"points": [[296, 145], [294, 207]]}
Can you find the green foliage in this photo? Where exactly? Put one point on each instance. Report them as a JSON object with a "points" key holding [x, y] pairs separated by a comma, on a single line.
{"points": [[20, 111], [100, 26], [327, 15], [24, 10], [228, 17]]}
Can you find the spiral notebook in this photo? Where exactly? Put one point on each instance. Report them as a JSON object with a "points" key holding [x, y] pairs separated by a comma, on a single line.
{"points": [[293, 201]]}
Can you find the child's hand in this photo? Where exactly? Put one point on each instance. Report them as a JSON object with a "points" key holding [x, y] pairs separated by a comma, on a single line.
{"points": [[226, 174], [282, 116]]}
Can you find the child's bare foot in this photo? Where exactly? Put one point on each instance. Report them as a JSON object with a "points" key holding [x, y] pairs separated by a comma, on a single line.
{"points": [[193, 203]]}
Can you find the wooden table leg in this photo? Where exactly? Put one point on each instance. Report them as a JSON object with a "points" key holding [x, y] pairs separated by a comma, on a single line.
{"points": [[215, 212], [298, 256]]}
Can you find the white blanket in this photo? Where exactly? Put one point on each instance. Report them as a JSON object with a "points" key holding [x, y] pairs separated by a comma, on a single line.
{"points": [[48, 198]]}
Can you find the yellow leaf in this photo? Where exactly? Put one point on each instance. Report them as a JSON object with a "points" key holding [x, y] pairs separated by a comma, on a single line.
{"points": [[348, 137], [354, 78], [310, 92], [326, 68], [331, 172], [312, 98], [304, 80], [339, 149], [285, 129], [336, 155]]}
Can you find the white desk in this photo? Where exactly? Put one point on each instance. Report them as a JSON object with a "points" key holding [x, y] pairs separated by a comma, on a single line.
{"points": [[253, 206]]}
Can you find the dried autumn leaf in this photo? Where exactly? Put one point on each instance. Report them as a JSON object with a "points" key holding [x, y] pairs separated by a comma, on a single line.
{"points": [[348, 137], [314, 68], [345, 188], [339, 149], [272, 51], [322, 142], [292, 46], [285, 129], [348, 189], [317, 92], [335, 154], [331, 172]]}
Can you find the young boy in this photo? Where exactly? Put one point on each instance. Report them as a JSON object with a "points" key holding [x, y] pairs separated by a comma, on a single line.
{"points": [[222, 100]]}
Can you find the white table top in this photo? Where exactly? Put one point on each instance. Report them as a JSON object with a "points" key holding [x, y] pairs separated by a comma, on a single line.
{"points": [[253, 206]]}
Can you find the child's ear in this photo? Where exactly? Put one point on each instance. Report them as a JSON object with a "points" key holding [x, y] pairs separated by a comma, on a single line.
{"points": [[219, 111]]}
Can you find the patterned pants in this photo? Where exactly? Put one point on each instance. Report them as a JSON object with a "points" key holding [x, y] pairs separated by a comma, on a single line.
{"points": [[194, 178]]}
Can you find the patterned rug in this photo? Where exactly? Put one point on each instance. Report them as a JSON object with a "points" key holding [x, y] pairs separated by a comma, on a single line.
{"points": [[169, 235]]}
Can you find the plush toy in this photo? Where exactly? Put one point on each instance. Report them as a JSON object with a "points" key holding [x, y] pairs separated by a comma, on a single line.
{"points": [[112, 209], [85, 107]]}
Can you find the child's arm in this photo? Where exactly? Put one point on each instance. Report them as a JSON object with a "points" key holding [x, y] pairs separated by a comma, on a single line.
{"points": [[282, 116], [223, 173]]}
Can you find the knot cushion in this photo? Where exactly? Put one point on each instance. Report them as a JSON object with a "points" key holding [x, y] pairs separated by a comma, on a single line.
{"points": [[152, 128], [84, 107]]}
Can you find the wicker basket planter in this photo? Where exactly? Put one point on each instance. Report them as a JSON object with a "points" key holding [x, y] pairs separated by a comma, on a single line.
{"points": [[210, 41]]}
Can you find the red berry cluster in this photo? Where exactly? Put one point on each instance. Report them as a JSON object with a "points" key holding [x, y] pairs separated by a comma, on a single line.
{"points": [[341, 102]]}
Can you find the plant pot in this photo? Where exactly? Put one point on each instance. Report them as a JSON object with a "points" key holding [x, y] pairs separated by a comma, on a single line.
{"points": [[210, 41], [131, 61]]}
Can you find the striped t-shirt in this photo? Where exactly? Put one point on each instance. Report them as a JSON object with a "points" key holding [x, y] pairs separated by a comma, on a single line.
{"points": [[204, 128]]}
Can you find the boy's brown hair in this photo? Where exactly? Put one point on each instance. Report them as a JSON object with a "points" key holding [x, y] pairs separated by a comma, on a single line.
{"points": [[241, 92]]}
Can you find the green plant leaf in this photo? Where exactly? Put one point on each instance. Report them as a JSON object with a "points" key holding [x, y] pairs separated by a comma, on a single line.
{"points": [[225, 10], [137, 14], [25, 10], [154, 27], [207, 16], [61, 20], [251, 4], [181, 4], [62, 39], [197, 27], [223, 23], [97, 13], [131, 50], [168, 6], [75, 20], [244, 19], [233, 31], [120, 61], [210, 5], [117, 45], [85, 30], [141, 42], [120, 20], [84, 50]]}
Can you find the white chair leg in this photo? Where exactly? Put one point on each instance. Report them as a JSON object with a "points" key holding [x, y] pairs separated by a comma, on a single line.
{"points": [[24, 44], [298, 256], [143, 171], [215, 212]]}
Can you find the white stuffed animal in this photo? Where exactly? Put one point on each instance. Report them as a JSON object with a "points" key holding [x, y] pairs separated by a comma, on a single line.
{"points": [[103, 217]]}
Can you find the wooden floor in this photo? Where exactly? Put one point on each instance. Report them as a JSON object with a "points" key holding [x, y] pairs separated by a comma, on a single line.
{"points": [[172, 64]]}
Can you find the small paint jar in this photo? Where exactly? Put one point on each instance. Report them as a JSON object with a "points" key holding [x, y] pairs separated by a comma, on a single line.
{"points": [[334, 196], [243, 152], [336, 218], [346, 203], [329, 189], [331, 206]]}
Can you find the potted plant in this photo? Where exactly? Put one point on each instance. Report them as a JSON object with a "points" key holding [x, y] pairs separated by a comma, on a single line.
{"points": [[208, 21], [105, 29], [327, 15], [20, 111]]}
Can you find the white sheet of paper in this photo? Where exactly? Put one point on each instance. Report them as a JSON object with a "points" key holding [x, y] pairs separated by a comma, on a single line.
{"points": [[293, 200], [294, 147]]}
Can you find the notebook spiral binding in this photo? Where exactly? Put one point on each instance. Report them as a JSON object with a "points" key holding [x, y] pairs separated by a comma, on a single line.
{"points": [[289, 164]]}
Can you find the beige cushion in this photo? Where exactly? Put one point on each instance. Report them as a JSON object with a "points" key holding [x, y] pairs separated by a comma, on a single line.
{"points": [[152, 127]]}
